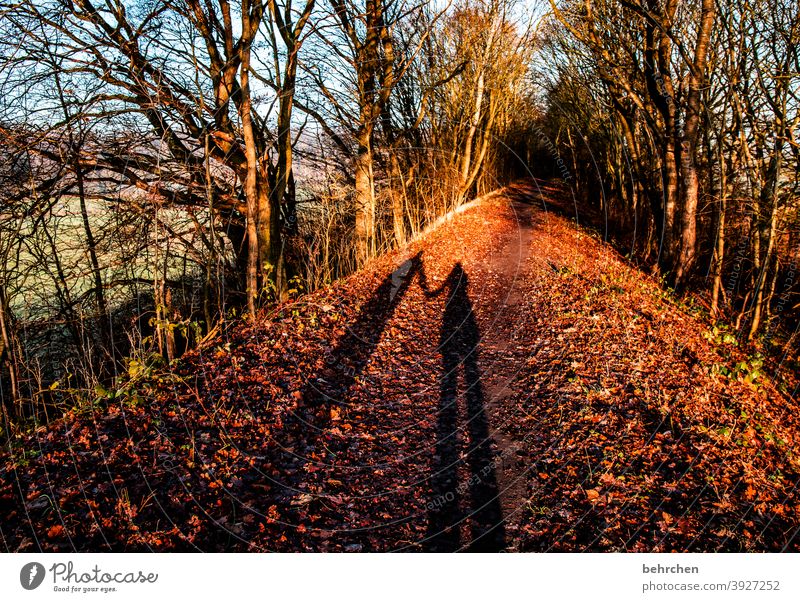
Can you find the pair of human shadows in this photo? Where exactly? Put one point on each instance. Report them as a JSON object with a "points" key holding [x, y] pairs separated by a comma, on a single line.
{"points": [[458, 344]]}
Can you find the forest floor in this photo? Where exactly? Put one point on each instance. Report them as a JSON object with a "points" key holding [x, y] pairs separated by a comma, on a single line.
{"points": [[506, 382]]}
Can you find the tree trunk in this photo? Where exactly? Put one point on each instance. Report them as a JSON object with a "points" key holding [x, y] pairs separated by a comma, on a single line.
{"points": [[688, 146], [397, 190], [364, 198], [669, 249], [8, 356], [103, 316], [257, 235], [719, 247], [466, 153], [688, 229], [771, 192], [270, 263]]}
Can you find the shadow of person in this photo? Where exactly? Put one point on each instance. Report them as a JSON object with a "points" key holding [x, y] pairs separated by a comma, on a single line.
{"points": [[449, 509], [345, 363]]}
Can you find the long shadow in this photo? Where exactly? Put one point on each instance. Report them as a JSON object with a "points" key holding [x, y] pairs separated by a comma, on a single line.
{"points": [[458, 344], [345, 363]]}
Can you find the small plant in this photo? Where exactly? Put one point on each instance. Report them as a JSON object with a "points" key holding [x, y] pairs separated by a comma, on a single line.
{"points": [[24, 457], [747, 371], [720, 336], [295, 287], [143, 366]]}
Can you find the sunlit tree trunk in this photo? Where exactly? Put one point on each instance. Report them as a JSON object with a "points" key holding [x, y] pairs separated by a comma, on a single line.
{"points": [[688, 167]]}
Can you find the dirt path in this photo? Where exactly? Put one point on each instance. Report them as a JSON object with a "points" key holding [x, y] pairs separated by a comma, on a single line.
{"points": [[468, 472], [505, 340], [457, 317]]}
